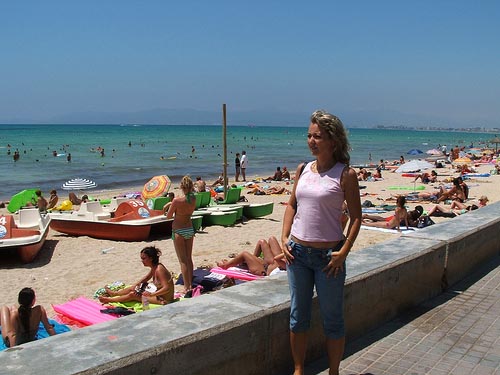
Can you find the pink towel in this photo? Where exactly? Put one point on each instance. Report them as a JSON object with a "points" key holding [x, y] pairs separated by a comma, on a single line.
{"points": [[236, 273]]}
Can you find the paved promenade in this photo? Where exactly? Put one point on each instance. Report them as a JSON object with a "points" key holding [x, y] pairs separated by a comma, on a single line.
{"points": [[455, 333]]}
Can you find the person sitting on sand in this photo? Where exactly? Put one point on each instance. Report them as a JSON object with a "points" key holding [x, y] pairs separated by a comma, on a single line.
{"points": [[427, 177], [363, 174], [160, 291], [53, 199], [286, 174], [77, 201], [413, 217], [392, 222], [278, 175], [200, 185], [459, 191], [272, 258], [20, 325], [41, 202]]}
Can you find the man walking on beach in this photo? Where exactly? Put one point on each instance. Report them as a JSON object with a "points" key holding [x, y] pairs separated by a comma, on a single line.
{"points": [[244, 164]]}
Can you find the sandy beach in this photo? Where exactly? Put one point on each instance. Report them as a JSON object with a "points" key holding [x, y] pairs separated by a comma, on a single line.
{"points": [[69, 267]]}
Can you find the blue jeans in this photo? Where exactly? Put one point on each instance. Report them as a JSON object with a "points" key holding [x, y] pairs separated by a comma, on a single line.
{"points": [[304, 273]]}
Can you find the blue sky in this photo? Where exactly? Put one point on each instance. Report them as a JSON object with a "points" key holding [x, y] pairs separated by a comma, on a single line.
{"points": [[434, 59]]}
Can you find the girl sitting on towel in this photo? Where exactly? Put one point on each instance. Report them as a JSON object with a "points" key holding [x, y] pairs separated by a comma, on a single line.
{"points": [[160, 291], [21, 325], [391, 222]]}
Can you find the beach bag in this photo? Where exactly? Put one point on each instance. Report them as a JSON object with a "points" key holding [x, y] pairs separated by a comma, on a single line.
{"points": [[208, 280], [368, 203], [424, 221]]}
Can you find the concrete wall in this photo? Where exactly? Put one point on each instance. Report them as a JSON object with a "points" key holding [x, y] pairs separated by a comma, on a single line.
{"points": [[244, 329]]}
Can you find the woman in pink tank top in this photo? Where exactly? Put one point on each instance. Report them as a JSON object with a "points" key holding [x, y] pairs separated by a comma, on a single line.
{"points": [[313, 241]]}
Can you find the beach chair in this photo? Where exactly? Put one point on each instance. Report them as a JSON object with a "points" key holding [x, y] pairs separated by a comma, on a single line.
{"points": [[97, 211], [199, 200], [115, 202], [232, 196], [29, 218], [205, 198], [159, 202]]}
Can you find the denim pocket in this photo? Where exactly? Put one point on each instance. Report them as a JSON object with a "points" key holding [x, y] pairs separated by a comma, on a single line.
{"points": [[293, 248]]}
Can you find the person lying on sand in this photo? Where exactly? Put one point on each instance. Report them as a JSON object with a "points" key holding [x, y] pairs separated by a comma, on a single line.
{"points": [[160, 291], [272, 190], [272, 258], [456, 208], [77, 201], [426, 177]]}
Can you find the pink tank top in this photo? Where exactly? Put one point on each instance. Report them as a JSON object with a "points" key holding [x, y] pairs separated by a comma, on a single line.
{"points": [[319, 205]]}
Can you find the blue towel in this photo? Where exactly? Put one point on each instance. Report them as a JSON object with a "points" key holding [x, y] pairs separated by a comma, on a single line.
{"points": [[42, 333]]}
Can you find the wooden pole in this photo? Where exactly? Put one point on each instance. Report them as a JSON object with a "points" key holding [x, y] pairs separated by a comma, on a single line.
{"points": [[224, 173]]}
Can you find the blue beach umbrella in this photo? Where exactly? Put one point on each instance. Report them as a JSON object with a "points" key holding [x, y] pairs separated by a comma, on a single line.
{"points": [[414, 151]]}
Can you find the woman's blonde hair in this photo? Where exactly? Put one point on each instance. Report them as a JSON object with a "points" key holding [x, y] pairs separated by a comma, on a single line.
{"points": [[335, 129], [187, 185]]}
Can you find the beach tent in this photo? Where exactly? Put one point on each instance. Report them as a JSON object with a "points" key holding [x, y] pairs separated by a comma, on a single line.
{"points": [[21, 199], [414, 166]]}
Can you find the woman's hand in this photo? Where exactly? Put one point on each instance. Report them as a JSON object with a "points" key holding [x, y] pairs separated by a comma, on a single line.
{"points": [[286, 250], [335, 265]]}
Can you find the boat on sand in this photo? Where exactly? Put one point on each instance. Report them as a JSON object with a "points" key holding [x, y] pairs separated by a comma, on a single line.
{"points": [[131, 221], [256, 210], [25, 235]]}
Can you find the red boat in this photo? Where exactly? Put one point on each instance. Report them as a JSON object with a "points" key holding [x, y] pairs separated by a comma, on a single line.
{"points": [[131, 221], [27, 235]]}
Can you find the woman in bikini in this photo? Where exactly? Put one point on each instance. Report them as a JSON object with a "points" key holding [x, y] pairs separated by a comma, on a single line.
{"points": [[181, 210], [272, 258], [391, 222], [458, 192], [20, 325], [161, 293]]}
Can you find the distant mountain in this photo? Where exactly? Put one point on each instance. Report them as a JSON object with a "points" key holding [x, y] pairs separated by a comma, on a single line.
{"points": [[262, 117]]}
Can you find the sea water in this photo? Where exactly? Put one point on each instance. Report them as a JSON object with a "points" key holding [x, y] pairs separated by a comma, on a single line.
{"points": [[134, 154]]}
